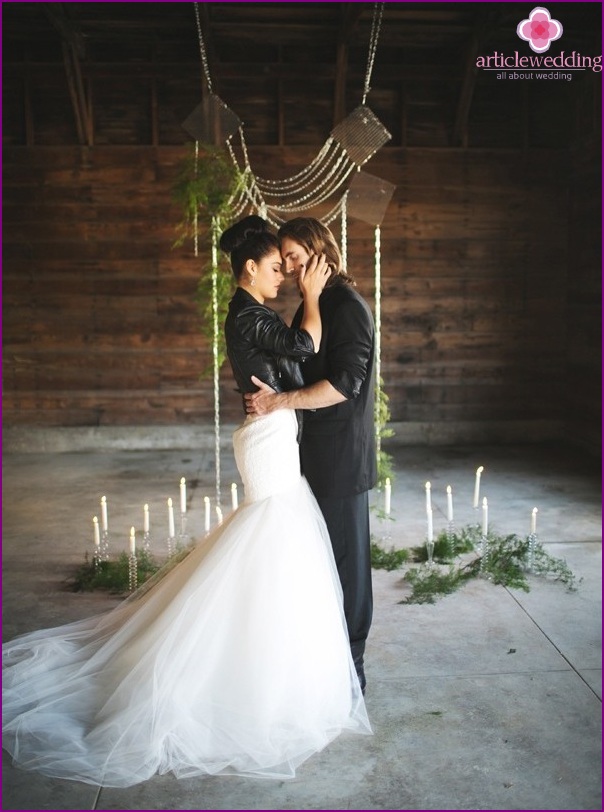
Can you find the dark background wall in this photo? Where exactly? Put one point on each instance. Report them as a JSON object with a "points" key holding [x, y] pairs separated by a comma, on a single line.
{"points": [[490, 245]]}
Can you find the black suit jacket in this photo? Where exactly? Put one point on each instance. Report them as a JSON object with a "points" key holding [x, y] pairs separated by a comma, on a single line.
{"points": [[337, 450]]}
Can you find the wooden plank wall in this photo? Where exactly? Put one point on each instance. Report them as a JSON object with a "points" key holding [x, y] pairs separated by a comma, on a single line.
{"points": [[101, 326], [583, 373]]}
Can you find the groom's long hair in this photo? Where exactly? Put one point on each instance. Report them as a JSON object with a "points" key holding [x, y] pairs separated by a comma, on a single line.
{"points": [[317, 239]]}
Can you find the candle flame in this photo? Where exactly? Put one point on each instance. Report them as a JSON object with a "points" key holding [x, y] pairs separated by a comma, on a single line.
{"points": [[95, 519], [484, 502], [182, 480], [170, 502], [448, 489], [479, 470]]}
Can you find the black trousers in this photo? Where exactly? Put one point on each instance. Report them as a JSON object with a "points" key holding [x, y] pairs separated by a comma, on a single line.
{"points": [[347, 520]]}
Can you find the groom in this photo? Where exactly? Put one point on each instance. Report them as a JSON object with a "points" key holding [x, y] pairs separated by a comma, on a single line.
{"points": [[337, 449]]}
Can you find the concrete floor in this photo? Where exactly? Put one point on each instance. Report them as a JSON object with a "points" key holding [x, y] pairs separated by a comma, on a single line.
{"points": [[488, 699]]}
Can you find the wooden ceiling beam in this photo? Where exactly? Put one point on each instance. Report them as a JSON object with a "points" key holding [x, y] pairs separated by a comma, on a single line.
{"points": [[74, 51], [480, 32], [350, 13]]}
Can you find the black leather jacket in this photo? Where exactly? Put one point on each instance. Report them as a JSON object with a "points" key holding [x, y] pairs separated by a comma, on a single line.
{"points": [[259, 343]]}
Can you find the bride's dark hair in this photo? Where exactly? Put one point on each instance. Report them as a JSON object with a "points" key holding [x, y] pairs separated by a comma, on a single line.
{"points": [[250, 238]]}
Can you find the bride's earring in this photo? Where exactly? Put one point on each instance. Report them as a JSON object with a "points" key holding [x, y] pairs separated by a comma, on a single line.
{"points": [[252, 281]]}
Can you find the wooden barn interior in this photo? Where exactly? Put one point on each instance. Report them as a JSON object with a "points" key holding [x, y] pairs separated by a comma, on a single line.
{"points": [[490, 245], [490, 261]]}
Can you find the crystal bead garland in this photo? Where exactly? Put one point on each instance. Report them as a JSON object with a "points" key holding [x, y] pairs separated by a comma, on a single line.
{"points": [[378, 339], [215, 234], [344, 232]]}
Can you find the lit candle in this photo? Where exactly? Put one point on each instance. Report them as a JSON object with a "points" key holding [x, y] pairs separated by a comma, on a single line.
{"points": [[97, 532], [234, 499], [132, 541], [387, 496], [534, 521], [104, 513], [449, 504], [206, 502], [219, 514], [145, 518], [183, 495], [428, 497], [485, 517], [430, 525], [477, 486], [170, 519]]}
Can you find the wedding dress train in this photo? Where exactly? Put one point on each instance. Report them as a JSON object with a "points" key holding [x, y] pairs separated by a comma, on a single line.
{"points": [[235, 662]]}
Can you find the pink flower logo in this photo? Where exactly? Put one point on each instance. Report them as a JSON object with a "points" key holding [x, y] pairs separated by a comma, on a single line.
{"points": [[539, 30]]}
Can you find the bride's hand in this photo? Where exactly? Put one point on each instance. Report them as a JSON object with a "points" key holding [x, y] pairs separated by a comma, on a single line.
{"points": [[314, 276]]}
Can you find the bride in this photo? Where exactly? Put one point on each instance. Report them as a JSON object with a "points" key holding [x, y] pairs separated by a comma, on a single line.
{"points": [[237, 660]]}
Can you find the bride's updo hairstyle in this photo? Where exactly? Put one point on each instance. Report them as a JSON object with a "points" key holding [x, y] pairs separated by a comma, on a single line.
{"points": [[250, 238]]}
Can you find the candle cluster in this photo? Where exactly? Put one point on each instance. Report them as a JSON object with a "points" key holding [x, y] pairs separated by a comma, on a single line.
{"points": [[485, 508], [101, 531], [449, 494]]}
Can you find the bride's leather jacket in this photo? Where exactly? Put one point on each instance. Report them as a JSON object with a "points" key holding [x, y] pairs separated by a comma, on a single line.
{"points": [[259, 343]]}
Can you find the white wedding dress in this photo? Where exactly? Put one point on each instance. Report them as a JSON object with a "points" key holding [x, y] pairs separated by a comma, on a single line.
{"points": [[235, 662]]}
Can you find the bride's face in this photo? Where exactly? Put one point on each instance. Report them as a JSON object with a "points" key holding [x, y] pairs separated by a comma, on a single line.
{"points": [[267, 276]]}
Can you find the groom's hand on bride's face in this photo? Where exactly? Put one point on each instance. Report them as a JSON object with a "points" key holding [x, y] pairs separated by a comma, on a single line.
{"points": [[262, 401]]}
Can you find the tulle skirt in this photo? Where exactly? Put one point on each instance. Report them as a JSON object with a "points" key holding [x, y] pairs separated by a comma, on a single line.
{"points": [[236, 661]]}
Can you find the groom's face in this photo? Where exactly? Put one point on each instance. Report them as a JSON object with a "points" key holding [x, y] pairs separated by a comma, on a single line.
{"points": [[295, 257]]}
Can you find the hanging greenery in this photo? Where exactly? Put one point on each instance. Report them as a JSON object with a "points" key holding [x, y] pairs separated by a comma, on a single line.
{"points": [[205, 186], [382, 418], [506, 560]]}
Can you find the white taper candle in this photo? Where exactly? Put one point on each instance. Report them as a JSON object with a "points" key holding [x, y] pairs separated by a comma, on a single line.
{"points": [[206, 502], [171, 532], [104, 513], [477, 486], [387, 496], [183, 495]]}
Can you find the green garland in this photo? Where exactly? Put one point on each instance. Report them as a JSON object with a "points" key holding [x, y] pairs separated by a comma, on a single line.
{"points": [[508, 562], [112, 575]]}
